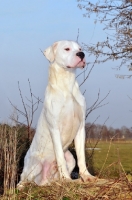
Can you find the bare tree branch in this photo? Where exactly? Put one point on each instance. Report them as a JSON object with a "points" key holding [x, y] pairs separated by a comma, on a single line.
{"points": [[32, 106], [96, 104], [116, 16], [85, 78]]}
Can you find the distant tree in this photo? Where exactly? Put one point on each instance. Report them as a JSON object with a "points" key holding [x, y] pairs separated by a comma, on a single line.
{"points": [[130, 130], [118, 133], [111, 132], [116, 15], [126, 132], [105, 136], [90, 131]]}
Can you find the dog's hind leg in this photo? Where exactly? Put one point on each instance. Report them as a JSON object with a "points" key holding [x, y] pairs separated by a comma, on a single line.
{"points": [[70, 161], [32, 168], [42, 177], [49, 173]]}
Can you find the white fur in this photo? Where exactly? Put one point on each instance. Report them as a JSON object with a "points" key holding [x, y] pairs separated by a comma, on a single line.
{"points": [[62, 120]]}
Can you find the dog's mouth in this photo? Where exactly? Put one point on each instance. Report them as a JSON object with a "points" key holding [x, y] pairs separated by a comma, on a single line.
{"points": [[80, 64]]}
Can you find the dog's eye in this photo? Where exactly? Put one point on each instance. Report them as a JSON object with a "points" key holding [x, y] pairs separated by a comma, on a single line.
{"points": [[67, 49], [80, 49]]}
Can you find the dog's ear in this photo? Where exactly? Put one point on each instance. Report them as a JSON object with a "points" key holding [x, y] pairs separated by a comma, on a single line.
{"points": [[50, 52]]}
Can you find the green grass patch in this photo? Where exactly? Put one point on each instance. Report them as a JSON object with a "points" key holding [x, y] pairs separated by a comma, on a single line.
{"points": [[112, 158]]}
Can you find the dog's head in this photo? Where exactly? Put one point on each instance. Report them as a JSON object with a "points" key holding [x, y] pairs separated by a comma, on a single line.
{"points": [[67, 54]]}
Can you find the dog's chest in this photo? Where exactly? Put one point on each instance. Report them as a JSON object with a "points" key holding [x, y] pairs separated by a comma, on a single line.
{"points": [[71, 117]]}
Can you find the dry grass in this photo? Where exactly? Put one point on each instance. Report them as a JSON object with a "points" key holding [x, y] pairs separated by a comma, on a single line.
{"points": [[8, 165], [120, 188], [100, 190]]}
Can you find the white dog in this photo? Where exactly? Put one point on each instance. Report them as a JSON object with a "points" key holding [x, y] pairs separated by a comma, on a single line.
{"points": [[62, 120]]}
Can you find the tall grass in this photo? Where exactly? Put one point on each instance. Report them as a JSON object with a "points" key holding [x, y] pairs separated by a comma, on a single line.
{"points": [[8, 165]]}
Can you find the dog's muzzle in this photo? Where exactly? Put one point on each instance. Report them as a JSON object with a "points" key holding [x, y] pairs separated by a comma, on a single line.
{"points": [[80, 55]]}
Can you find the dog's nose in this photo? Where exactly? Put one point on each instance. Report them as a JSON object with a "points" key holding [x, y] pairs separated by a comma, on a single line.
{"points": [[80, 55]]}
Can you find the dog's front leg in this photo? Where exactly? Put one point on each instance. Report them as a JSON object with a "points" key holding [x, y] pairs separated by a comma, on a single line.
{"points": [[61, 162], [52, 116], [80, 151], [80, 137]]}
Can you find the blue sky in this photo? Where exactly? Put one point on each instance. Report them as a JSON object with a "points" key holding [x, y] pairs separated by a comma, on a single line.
{"points": [[28, 26]]}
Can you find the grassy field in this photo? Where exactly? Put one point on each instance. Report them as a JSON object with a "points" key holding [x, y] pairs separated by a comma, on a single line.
{"points": [[111, 158], [110, 161]]}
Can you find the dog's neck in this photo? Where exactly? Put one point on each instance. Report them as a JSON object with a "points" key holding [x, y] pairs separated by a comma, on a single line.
{"points": [[63, 78]]}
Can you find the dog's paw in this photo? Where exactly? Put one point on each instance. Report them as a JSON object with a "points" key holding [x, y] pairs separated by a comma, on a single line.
{"points": [[20, 185], [64, 178], [88, 178], [44, 182]]}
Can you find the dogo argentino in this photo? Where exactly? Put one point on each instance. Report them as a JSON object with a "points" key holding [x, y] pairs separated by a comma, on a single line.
{"points": [[62, 120]]}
